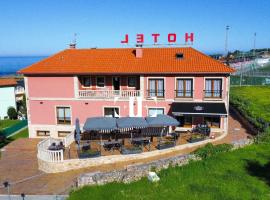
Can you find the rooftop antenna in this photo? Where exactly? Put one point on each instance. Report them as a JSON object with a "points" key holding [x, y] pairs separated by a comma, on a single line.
{"points": [[73, 44]]}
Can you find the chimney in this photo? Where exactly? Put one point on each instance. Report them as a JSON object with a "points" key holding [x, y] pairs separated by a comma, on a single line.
{"points": [[139, 51], [72, 45]]}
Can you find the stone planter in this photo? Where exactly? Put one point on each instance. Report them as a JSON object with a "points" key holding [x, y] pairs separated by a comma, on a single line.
{"points": [[126, 151], [165, 145], [89, 154], [193, 140]]}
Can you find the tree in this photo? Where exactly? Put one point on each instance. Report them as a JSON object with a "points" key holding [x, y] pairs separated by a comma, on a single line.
{"points": [[12, 113]]}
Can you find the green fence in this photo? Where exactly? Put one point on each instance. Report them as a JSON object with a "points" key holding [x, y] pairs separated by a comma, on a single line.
{"points": [[250, 80], [10, 130]]}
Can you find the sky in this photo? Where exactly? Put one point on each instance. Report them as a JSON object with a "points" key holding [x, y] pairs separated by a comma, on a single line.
{"points": [[44, 27]]}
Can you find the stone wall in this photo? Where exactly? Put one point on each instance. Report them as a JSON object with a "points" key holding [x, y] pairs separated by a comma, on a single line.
{"points": [[132, 172]]}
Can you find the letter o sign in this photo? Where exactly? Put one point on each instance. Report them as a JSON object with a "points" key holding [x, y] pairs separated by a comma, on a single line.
{"points": [[171, 37]]}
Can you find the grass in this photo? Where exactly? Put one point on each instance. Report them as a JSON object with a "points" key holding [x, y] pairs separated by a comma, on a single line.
{"points": [[7, 123], [240, 174], [252, 101], [21, 134]]}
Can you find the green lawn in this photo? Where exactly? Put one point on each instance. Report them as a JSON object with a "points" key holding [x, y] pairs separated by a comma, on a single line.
{"points": [[21, 134], [253, 102], [241, 174], [7, 123]]}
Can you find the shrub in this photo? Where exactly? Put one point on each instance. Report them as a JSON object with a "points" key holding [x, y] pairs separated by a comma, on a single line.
{"points": [[210, 150], [12, 113]]}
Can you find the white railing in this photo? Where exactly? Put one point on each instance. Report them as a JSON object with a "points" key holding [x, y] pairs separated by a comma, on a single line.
{"points": [[48, 155], [109, 93], [69, 139]]}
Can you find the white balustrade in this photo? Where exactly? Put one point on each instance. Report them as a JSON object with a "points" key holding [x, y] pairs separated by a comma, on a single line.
{"points": [[69, 139], [109, 93]]}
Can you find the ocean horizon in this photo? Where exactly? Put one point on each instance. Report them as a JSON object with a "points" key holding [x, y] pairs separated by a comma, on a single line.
{"points": [[9, 65]]}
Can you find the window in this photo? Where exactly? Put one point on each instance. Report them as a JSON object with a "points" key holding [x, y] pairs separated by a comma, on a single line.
{"points": [[85, 81], [213, 88], [213, 122], [185, 121], [43, 133], [132, 81], [156, 88], [63, 115], [184, 88], [100, 81], [63, 133], [152, 112], [111, 112]]}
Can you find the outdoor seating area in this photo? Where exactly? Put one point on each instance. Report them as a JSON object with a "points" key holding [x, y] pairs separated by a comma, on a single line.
{"points": [[132, 135], [56, 147]]}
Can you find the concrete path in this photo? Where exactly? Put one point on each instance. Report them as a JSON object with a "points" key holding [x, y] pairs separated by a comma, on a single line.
{"points": [[19, 166], [34, 197]]}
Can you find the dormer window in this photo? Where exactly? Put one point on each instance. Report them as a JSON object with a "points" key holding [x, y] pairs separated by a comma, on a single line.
{"points": [[179, 55]]}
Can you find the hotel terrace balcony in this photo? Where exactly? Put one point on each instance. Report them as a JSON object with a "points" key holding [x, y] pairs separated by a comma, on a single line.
{"points": [[95, 94]]}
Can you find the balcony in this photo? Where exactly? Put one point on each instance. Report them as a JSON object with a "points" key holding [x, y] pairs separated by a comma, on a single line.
{"points": [[213, 94], [183, 93], [108, 94]]}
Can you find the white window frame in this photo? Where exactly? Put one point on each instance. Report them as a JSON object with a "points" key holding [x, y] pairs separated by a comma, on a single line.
{"points": [[148, 108], [55, 110], [103, 109]]}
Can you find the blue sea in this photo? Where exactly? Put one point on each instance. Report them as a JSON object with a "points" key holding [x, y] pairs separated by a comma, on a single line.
{"points": [[10, 65]]}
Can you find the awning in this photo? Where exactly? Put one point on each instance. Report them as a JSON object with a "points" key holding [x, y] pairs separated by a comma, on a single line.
{"points": [[192, 108], [131, 122], [161, 120], [100, 123]]}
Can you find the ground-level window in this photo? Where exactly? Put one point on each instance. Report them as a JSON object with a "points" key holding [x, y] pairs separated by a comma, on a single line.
{"points": [[111, 112], [85, 81], [155, 111], [132, 81], [100, 81], [213, 122], [63, 133], [63, 115], [43, 133], [185, 121]]}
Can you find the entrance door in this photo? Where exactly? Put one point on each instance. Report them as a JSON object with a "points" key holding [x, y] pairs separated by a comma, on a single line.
{"points": [[116, 83]]}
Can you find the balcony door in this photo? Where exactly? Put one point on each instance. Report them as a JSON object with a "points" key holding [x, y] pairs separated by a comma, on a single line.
{"points": [[116, 82], [156, 88]]}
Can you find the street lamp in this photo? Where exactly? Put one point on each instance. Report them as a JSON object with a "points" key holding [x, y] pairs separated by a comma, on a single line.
{"points": [[7, 185]]}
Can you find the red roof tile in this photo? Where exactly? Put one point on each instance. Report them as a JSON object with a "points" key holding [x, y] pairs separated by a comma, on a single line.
{"points": [[123, 60], [7, 82]]}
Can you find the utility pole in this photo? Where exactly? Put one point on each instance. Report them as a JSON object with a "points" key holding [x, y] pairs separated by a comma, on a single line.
{"points": [[254, 44], [226, 40]]}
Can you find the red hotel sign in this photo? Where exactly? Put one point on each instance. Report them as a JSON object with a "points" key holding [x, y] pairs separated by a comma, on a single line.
{"points": [[172, 37]]}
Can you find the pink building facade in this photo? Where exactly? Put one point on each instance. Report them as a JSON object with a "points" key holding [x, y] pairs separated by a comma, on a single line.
{"points": [[46, 94], [54, 101]]}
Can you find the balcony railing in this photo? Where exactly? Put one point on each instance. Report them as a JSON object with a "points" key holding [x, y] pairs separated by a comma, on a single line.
{"points": [[184, 93], [109, 93], [156, 93], [214, 94]]}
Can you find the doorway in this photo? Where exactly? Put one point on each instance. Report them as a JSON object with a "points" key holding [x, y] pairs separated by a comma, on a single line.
{"points": [[116, 83]]}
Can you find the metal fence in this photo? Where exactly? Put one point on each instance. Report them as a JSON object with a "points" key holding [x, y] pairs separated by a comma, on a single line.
{"points": [[12, 129], [237, 80]]}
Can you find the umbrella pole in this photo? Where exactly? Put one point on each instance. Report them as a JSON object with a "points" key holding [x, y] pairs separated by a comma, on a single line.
{"points": [[100, 142]]}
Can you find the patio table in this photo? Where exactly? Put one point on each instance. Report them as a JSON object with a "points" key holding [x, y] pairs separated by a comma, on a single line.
{"points": [[141, 140], [111, 145]]}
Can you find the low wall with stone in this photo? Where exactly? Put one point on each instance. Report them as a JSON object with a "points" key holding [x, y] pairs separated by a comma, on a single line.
{"points": [[72, 164], [132, 172], [137, 171]]}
